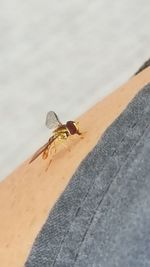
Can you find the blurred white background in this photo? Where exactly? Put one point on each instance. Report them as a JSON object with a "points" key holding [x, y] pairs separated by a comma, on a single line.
{"points": [[62, 56]]}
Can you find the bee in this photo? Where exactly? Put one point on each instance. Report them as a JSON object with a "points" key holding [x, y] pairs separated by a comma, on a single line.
{"points": [[60, 132]]}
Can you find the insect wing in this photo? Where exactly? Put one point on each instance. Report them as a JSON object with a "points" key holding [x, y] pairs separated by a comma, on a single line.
{"points": [[39, 151], [44, 147], [52, 120]]}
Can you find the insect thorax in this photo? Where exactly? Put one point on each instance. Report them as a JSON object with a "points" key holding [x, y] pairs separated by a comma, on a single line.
{"points": [[62, 130]]}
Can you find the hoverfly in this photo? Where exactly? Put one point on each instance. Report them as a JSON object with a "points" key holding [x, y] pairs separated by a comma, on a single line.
{"points": [[60, 132]]}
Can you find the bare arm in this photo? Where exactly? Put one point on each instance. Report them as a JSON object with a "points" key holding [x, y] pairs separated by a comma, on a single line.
{"points": [[28, 194]]}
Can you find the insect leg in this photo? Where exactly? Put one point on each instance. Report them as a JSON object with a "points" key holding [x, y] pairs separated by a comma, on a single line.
{"points": [[53, 147], [82, 135], [62, 139], [45, 153], [46, 169]]}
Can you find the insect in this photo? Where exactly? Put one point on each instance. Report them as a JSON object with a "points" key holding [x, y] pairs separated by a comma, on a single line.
{"points": [[60, 132]]}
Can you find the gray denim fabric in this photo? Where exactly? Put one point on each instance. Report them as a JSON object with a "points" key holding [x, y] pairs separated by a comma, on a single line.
{"points": [[103, 217]]}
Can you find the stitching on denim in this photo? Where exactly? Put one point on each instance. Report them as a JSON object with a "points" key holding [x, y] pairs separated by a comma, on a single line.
{"points": [[91, 184], [107, 189], [84, 198]]}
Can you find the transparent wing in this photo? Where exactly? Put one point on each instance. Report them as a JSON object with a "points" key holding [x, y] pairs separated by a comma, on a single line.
{"points": [[39, 151], [52, 120], [44, 147]]}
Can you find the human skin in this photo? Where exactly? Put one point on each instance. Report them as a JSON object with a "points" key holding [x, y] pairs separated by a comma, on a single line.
{"points": [[29, 193]]}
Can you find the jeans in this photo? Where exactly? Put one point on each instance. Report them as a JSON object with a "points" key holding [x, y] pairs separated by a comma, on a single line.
{"points": [[103, 216]]}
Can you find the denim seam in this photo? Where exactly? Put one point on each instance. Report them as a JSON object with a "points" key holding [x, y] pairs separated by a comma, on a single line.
{"points": [[104, 193], [90, 186]]}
